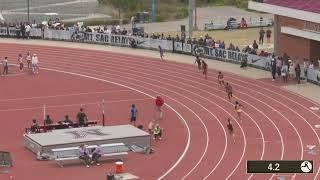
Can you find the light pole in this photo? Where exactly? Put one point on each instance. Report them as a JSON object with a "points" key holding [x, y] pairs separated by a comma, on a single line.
{"points": [[191, 7], [28, 4], [153, 10], [195, 16]]}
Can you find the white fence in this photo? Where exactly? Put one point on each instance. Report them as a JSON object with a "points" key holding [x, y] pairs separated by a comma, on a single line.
{"points": [[236, 24]]}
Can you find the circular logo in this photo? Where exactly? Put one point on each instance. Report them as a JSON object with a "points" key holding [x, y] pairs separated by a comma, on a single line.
{"points": [[306, 166]]}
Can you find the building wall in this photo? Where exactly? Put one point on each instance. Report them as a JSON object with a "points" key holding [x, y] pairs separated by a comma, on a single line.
{"points": [[315, 52], [294, 46]]}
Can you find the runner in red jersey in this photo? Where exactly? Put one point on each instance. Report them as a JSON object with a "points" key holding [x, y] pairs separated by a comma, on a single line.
{"points": [[159, 107]]}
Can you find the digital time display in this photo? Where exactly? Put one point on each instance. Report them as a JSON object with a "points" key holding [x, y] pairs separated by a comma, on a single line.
{"points": [[303, 166]]}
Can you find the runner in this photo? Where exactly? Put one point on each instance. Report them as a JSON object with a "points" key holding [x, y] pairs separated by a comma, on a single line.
{"points": [[238, 108], [161, 52], [220, 78], [34, 62], [205, 69], [229, 90], [159, 108], [20, 62], [28, 59], [198, 61], [5, 63], [230, 128]]}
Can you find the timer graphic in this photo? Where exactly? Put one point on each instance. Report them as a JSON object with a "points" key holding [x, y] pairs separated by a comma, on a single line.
{"points": [[304, 166]]}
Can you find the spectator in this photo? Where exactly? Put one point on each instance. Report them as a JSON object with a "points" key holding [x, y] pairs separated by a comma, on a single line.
{"points": [[34, 126], [284, 72], [269, 32], [82, 118], [157, 132], [96, 154], [261, 35], [34, 62], [298, 72], [311, 66], [67, 120], [279, 65], [23, 30], [83, 154], [244, 63], [243, 23], [5, 63], [255, 45], [151, 126], [28, 29], [48, 120], [273, 68]]}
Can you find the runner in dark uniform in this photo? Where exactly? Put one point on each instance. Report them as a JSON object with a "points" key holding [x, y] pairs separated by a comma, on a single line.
{"points": [[82, 118], [230, 129], [205, 69], [198, 61], [161, 52], [229, 90]]}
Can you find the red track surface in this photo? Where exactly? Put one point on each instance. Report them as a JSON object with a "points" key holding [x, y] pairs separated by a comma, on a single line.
{"points": [[276, 124]]}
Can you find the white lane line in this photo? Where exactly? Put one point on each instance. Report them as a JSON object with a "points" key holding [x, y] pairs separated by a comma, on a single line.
{"points": [[251, 119], [307, 99], [170, 107], [71, 105], [61, 95], [190, 100]]}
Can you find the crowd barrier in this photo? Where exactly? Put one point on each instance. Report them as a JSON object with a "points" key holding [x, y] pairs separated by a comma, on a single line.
{"points": [[148, 43], [313, 75], [13, 32]]}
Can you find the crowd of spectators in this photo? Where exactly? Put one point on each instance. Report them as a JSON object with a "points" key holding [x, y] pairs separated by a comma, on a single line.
{"points": [[206, 40]]}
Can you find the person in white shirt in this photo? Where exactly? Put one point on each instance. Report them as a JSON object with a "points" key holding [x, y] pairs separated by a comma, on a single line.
{"points": [[34, 62], [28, 28], [311, 66]]}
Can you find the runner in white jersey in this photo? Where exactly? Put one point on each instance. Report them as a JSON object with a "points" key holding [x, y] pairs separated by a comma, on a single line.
{"points": [[34, 62]]}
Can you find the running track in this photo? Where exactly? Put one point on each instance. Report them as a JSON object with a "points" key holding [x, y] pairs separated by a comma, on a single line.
{"points": [[277, 124]]}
